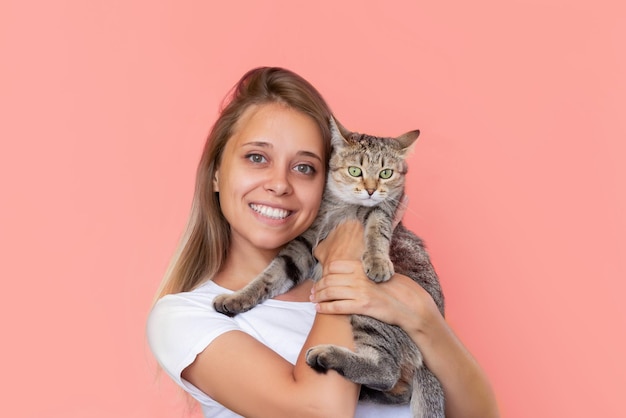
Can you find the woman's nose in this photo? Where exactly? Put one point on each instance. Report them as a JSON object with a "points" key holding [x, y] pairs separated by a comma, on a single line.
{"points": [[278, 183]]}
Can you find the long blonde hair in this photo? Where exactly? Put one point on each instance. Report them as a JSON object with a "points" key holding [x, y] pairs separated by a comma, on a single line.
{"points": [[203, 247]]}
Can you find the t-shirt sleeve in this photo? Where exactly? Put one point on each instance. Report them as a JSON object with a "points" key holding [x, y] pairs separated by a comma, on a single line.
{"points": [[179, 328]]}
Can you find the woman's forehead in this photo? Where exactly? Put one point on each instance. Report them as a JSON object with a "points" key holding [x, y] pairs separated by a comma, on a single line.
{"points": [[276, 121]]}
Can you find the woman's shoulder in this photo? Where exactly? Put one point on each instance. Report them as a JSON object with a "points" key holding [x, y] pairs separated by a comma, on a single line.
{"points": [[180, 325], [183, 312], [202, 293]]}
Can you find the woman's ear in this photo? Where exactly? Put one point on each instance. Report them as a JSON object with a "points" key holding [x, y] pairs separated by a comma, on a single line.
{"points": [[215, 181]]}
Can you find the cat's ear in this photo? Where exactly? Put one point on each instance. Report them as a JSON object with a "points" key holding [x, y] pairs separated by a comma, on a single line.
{"points": [[407, 140], [338, 134], [344, 132]]}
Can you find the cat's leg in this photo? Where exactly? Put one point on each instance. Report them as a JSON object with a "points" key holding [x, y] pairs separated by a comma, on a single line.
{"points": [[271, 282], [378, 231], [368, 366], [292, 265]]}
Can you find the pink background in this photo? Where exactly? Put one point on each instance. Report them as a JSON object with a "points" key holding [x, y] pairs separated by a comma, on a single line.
{"points": [[517, 183]]}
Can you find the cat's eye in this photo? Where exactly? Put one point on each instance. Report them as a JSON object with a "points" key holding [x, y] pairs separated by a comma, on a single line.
{"points": [[386, 173], [354, 171]]}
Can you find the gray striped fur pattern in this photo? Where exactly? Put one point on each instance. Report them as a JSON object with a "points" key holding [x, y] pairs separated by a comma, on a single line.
{"points": [[366, 181]]}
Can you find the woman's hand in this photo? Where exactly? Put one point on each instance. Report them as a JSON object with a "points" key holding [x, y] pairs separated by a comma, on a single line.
{"points": [[345, 289], [345, 242]]}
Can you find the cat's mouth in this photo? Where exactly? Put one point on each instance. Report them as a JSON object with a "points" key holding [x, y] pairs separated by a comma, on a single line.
{"points": [[270, 212], [365, 199]]}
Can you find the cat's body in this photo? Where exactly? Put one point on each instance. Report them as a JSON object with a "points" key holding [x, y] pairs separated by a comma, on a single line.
{"points": [[365, 182]]}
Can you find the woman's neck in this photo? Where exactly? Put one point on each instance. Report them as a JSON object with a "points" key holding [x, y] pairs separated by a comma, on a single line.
{"points": [[241, 266]]}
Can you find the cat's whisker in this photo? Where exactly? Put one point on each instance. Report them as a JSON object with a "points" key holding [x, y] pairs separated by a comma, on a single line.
{"points": [[408, 210]]}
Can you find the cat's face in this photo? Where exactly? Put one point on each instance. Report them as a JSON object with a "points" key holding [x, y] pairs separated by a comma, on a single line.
{"points": [[367, 170]]}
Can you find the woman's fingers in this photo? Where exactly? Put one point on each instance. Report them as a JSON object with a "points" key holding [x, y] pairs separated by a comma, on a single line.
{"points": [[335, 293], [354, 300], [338, 291], [344, 298], [399, 301], [339, 307], [343, 273]]}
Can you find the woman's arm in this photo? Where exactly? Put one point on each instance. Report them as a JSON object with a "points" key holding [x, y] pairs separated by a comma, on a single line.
{"points": [[402, 302], [247, 377]]}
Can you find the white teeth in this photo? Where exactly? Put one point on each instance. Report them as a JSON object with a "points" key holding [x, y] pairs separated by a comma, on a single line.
{"points": [[270, 212]]}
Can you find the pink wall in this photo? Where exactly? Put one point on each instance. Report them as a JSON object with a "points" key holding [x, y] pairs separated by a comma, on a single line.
{"points": [[517, 184]]}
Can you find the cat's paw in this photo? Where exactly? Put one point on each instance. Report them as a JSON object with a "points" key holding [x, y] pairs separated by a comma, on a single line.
{"points": [[323, 357], [230, 304], [378, 269]]}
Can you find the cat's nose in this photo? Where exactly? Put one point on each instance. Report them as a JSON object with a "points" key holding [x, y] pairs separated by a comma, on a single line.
{"points": [[370, 191]]}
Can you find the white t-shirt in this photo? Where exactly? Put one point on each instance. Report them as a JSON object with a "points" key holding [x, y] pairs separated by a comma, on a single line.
{"points": [[182, 325]]}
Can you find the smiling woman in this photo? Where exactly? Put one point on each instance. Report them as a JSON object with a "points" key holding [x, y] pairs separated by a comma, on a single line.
{"points": [[266, 153], [259, 185]]}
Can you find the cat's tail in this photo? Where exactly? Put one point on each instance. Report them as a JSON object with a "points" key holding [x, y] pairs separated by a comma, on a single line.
{"points": [[427, 400]]}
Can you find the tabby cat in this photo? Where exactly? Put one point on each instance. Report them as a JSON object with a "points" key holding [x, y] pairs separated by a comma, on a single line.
{"points": [[366, 180]]}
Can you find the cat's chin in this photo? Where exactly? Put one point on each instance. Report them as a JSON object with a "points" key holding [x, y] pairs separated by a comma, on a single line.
{"points": [[369, 202]]}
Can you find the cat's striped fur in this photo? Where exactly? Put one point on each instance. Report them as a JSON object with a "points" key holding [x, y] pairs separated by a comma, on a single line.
{"points": [[366, 181]]}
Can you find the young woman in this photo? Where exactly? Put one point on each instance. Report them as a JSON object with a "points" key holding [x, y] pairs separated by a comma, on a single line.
{"points": [[259, 185]]}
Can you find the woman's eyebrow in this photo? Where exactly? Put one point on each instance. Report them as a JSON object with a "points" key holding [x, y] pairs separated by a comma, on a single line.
{"points": [[258, 144], [264, 144], [310, 154]]}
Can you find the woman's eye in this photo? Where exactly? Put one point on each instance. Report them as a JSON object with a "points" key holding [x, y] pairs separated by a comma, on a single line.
{"points": [[386, 173], [354, 171], [256, 158], [305, 169]]}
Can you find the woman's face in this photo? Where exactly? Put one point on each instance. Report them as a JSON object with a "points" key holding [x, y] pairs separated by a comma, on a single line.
{"points": [[271, 177]]}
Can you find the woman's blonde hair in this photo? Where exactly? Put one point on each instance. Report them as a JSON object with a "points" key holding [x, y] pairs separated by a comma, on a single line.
{"points": [[203, 247]]}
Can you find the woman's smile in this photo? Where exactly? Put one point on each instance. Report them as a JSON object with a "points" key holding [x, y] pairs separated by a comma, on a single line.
{"points": [[270, 212]]}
